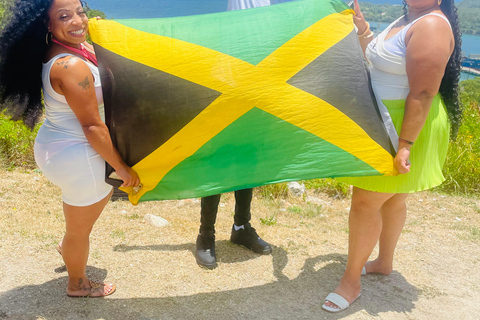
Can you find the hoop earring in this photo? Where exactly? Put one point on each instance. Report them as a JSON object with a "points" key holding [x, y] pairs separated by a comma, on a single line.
{"points": [[439, 2], [48, 38]]}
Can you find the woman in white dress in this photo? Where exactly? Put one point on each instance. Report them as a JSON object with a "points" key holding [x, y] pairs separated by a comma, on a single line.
{"points": [[43, 47]]}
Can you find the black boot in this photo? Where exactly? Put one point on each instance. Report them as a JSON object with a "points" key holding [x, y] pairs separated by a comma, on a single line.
{"points": [[205, 251], [249, 238]]}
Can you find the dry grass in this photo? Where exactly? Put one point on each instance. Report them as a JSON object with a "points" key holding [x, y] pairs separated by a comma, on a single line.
{"points": [[436, 264]]}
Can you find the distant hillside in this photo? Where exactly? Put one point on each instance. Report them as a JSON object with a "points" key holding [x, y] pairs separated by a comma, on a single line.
{"points": [[381, 12], [468, 12]]}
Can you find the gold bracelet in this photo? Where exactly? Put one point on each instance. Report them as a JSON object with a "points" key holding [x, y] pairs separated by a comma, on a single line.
{"points": [[365, 32], [367, 36]]}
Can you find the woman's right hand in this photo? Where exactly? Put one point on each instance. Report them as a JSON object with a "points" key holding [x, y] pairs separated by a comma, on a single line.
{"points": [[359, 19], [401, 162], [129, 176]]}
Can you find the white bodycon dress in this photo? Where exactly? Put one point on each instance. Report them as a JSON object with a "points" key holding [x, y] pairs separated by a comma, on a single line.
{"points": [[62, 151]]}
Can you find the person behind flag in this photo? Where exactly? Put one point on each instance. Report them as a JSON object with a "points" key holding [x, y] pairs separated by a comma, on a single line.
{"points": [[242, 232], [415, 67], [43, 48]]}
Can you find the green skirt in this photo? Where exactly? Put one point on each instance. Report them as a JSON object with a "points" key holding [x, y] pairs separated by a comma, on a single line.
{"points": [[427, 155]]}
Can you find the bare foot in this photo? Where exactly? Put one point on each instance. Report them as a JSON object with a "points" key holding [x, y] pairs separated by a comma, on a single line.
{"points": [[90, 289], [349, 291], [377, 267]]}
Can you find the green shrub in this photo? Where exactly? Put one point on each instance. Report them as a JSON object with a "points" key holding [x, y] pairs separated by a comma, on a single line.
{"points": [[16, 143], [462, 166]]}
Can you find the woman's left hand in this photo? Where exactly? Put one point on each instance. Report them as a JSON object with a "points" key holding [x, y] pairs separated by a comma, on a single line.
{"points": [[401, 161], [129, 176]]}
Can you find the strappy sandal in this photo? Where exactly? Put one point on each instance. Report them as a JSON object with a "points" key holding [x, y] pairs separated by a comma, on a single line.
{"points": [[93, 289]]}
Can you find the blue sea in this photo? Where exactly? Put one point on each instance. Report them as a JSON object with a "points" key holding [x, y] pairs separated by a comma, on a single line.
{"points": [[138, 9], [124, 9]]}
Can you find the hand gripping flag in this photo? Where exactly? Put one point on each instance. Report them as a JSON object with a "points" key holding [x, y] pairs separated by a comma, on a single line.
{"points": [[205, 104]]}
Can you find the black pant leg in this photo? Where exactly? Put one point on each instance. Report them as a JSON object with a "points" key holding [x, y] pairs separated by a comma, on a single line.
{"points": [[208, 214], [243, 199]]}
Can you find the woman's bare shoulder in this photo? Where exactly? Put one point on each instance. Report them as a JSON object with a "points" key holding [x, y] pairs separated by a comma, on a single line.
{"points": [[436, 23]]}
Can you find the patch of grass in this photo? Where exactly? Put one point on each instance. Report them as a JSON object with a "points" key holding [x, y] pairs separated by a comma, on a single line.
{"points": [[269, 221], [307, 210], [295, 209], [133, 216], [467, 232], [118, 234], [312, 211], [475, 233], [329, 186], [95, 254], [273, 191], [307, 225], [48, 241], [476, 208], [462, 166], [24, 233], [45, 237], [16, 143]]}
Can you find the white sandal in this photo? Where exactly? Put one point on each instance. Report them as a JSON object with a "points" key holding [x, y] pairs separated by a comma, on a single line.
{"points": [[339, 301]]}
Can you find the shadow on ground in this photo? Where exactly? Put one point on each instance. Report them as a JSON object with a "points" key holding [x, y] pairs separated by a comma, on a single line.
{"points": [[226, 252], [286, 299]]}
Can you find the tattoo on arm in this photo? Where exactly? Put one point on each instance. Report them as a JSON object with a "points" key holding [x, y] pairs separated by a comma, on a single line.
{"points": [[85, 84], [65, 63]]}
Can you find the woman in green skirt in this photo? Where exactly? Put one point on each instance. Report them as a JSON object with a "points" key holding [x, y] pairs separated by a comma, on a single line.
{"points": [[415, 67]]}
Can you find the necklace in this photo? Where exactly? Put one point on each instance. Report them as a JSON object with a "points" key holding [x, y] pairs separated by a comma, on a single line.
{"points": [[83, 52]]}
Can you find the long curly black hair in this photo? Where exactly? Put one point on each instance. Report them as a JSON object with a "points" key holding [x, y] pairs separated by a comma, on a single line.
{"points": [[22, 49], [449, 85]]}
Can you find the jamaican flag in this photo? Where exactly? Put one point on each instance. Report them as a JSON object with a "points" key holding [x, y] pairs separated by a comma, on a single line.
{"points": [[205, 104]]}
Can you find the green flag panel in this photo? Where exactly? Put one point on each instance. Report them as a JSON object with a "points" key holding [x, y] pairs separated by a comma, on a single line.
{"points": [[253, 150], [267, 28]]}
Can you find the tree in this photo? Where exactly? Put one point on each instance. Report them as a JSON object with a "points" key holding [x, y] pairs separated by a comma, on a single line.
{"points": [[468, 13], [92, 13]]}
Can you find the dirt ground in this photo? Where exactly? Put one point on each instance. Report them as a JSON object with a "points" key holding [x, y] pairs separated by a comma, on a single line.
{"points": [[436, 270]]}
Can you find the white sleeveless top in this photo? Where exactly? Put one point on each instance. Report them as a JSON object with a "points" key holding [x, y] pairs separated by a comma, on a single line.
{"points": [[61, 123], [388, 64]]}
